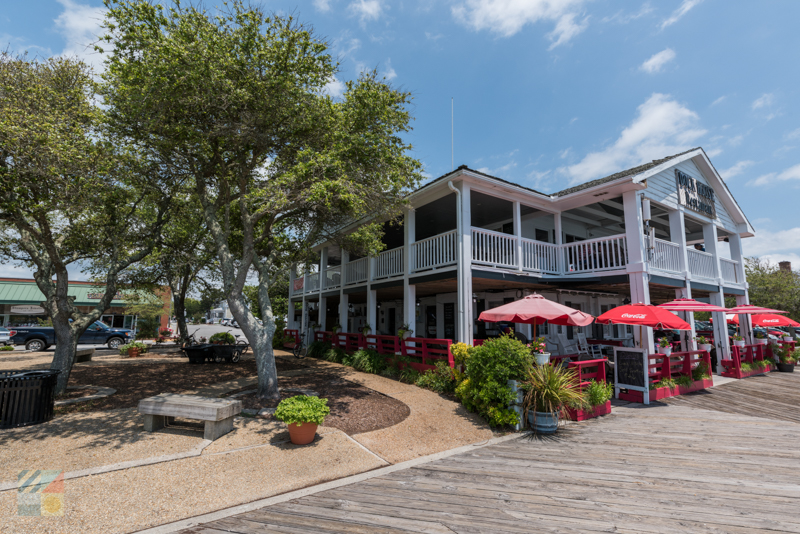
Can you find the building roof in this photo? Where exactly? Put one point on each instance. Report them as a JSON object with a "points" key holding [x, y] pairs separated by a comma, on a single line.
{"points": [[21, 291], [622, 174], [580, 187]]}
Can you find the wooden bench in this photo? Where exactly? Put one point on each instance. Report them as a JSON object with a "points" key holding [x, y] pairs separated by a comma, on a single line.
{"points": [[162, 409]]}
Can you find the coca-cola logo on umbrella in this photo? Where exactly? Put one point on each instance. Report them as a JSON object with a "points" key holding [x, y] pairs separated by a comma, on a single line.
{"points": [[634, 315]]}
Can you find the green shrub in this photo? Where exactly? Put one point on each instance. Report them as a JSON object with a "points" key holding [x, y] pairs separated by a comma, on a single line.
{"points": [[409, 375], [225, 338], [701, 372], [368, 361], [335, 355], [318, 349], [684, 380], [488, 369], [664, 383], [598, 393], [123, 349], [302, 409], [6, 347], [441, 380]]}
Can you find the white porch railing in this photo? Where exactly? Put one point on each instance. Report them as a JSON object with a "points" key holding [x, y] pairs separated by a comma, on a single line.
{"points": [[701, 264], [333, 277], [311, 283], [435, 251], [592, 255], [539, 256], [389, 263], [494, 248], [356, 271], [728, 268], [666, 256]]}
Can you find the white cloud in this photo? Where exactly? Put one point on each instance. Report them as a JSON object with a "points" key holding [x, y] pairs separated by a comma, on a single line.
{"points": [[775, 259], [508, 17], [736, 141], [680, 12], [767, 242], [322, 5], [80, 26], [764, 100], [792, 173], [335, 88], [714, 152], [793, 134], [657, 61], [621, 18], [389, 73], [719, 100], [366, 9], [564, 153], [736, 170], [662, 128]]}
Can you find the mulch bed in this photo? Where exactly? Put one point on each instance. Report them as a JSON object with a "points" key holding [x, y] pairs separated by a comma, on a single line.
{"points": [[354, 408], [76, 394], [135, 382]]}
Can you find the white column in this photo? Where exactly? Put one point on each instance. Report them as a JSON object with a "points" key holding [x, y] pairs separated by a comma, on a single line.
{"points": [[745, 319], [304, 317], [323, 313], [559, 241], [737, 256], [344, 304], [720, 322], [410, 236], [677, 231], [637, 266], [518, 233], [372, 310], [464, 330], [410, 308], [323, 267]]}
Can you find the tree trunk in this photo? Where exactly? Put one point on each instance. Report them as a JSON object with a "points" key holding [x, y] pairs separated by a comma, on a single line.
{"points": [[178, 301], [66, 345], [260, 339]]}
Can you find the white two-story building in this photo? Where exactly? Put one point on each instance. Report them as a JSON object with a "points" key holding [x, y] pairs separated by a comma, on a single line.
{"points": [[471, 242]]}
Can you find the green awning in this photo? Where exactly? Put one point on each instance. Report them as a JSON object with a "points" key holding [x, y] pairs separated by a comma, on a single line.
{"points": [[28, 293]]}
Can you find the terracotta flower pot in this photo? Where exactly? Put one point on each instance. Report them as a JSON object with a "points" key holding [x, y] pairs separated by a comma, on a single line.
{"points": [[133, 352], [302, 434]]}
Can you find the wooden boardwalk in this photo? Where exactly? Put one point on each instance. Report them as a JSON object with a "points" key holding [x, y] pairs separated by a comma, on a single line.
{"points": [[657, 469], [774, 395]]}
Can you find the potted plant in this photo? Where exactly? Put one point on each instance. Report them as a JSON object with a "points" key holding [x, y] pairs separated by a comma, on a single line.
{"points": [[302, 414], [539, 350], [316, 326], [785, 360], [703, 344], [549, 389], [738, 340], [664, 346], [335, 329], [787, 337], [404, 332], [223, 338], [761, 338], [366, 330]]}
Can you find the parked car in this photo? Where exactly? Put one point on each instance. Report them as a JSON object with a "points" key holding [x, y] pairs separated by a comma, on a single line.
{"points": [[5, 336], [37, 338], [225, 322]]}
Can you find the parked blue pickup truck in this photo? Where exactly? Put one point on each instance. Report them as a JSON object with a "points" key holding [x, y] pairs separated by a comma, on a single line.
{"points": [[37, 338]]}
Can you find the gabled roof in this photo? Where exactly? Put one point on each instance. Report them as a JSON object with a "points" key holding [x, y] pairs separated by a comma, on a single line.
{"points": [[622, 174], [473, 171]]}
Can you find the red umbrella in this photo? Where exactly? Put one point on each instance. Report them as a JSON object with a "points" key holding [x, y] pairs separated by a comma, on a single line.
{"points": [[535, 308], [691, 305], [644, 315], [750, 309], [768, 319]]}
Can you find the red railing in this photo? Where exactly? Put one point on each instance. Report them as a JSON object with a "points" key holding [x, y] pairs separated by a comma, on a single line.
{"points": [[387, 345], [323, 336], [428, 350], [677, 364], [585, 373], [788, 345], [477, 342], [295, 334], [748, 354]]}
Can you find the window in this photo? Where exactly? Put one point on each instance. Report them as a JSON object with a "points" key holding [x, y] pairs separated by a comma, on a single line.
{"points": [[542, 235]]}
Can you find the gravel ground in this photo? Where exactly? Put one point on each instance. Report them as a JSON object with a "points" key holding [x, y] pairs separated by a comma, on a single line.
{"points": [[134, 499]]}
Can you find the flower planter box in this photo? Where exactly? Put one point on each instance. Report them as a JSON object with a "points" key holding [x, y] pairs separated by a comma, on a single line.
{"points": [[732, 373], [583, 415], [664, 393]]}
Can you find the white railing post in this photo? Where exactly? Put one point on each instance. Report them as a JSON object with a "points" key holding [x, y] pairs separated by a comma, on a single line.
{"points": [[518, 234], [323, 269], [559, 241]]}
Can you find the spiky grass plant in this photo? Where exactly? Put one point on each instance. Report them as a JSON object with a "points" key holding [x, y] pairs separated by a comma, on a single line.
{"points": [[551, 388]]}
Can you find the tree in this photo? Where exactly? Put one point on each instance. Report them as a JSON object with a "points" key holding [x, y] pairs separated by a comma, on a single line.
{"points": [[772, 287], [278, 295], [68, 196], [193, 308], [235, 102]]}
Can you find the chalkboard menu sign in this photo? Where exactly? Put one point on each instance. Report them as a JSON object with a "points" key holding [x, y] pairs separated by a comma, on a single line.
{"points": [[449, 321], [630, 368]]}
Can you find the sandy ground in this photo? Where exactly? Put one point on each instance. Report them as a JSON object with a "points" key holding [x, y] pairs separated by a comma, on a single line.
{"points": [[252, 462]]}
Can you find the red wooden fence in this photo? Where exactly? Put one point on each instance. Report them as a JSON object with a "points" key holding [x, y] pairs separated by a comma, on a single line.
{"points": [[387, 345], [295, 334], [428, 350], [749, 353]]}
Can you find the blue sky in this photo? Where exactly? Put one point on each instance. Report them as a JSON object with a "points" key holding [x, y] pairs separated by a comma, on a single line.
{"points": [[549, 93]]}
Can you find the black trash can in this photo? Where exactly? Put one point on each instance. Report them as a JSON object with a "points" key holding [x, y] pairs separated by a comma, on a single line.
{"points": [[26, 397]]}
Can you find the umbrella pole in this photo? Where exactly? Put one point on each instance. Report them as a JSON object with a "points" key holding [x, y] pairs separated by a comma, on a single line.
{"points": [[534, 328]]}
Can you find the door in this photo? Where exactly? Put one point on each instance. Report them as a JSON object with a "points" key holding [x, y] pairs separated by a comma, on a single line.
{"points": [[392, 325], [430, 321]]}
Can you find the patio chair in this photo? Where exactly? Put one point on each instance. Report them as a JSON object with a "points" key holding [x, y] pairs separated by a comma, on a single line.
{"points": [[592, 352]]}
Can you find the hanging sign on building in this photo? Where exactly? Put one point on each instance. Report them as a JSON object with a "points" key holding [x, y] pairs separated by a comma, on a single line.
{"points": [[695, 195], [298, 283], [27, 310]]}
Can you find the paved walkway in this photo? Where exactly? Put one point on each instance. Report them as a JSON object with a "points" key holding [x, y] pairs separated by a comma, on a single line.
{"points": [[657, 469]]}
